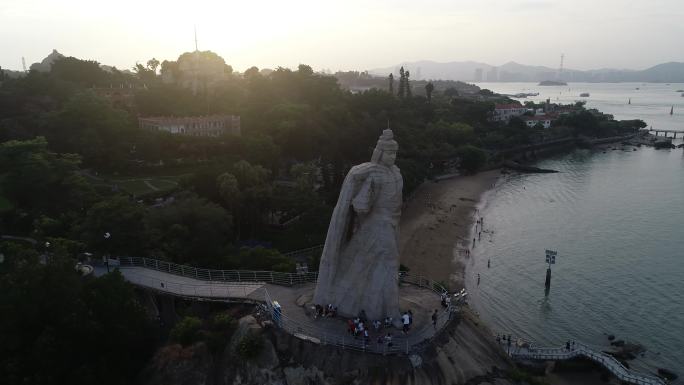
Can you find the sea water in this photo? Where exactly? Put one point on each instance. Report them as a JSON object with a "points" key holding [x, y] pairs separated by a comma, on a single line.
{"points": [[616, 218]]}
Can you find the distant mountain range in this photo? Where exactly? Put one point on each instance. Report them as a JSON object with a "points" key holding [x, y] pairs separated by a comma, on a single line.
{"points": [[672, 72]]}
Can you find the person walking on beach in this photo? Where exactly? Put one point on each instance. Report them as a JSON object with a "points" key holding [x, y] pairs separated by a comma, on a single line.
{"points": [[478, 278], [488, 263], [479, 235]]}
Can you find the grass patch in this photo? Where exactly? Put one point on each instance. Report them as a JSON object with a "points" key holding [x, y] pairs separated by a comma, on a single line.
{"points": [[144, 185]]}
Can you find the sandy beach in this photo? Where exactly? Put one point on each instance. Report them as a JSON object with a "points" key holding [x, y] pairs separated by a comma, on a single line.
{"points": [[436, 226]]}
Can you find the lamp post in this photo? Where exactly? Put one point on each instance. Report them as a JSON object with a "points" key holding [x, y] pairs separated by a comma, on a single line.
{"points": [[47, 252], [105, 258]]}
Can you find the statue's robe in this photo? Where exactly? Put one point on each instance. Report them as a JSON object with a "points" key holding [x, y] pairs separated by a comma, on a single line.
{"points": [[360, 261]]}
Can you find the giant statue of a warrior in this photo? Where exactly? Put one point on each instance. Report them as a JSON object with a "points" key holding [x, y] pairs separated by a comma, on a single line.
{"points": [[360, 262]]}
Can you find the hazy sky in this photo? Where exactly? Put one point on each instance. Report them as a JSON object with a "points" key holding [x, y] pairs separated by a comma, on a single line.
{"points": [[348, 34]]}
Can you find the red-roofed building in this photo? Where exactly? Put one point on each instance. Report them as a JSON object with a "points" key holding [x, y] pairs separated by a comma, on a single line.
{"points": [[504, 112]]}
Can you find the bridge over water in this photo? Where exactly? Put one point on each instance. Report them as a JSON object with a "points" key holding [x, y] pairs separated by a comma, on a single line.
{"points": [[665, 132], [580, 350]]}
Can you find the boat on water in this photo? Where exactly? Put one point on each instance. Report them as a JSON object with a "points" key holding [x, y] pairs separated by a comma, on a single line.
{"points": [[679, 91], [584, 95]]}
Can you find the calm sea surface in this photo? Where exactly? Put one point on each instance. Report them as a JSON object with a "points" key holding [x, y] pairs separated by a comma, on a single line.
{"points": [[616, 219]]}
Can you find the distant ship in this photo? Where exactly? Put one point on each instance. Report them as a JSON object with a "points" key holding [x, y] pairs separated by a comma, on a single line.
{"points": [[584, 95], [552, 83], [629, 101], [671, 110]]}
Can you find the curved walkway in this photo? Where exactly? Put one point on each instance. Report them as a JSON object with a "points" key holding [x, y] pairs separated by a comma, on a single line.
{"points": [[580, 350], [284, 295]]}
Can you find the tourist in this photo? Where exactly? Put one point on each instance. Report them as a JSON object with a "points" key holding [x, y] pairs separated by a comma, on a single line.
{"points": [[434, 319], [443, 299], [448, 302], [406, 321], [478, 278], [366, 337], [377, 324], [388, 322], [362, 315], [410, 314], [334, 312], [361, 327], [567, 345], [388, 340], [350, 327]]}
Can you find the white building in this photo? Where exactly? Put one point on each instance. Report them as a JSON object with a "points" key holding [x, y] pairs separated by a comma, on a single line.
{"points": [[213, 125], [532, 121], [504, 112]]}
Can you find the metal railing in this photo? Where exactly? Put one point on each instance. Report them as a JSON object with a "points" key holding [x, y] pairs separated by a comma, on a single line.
{"points": [[274, 277], [248, 285], [579, 349], [207, 291], [400, 344]]}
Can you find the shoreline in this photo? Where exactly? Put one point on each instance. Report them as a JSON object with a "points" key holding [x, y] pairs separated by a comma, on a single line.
{"points": [[437, 226]]}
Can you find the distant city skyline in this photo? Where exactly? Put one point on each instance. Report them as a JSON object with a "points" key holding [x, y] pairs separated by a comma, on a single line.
{"points": [[348, 35]]}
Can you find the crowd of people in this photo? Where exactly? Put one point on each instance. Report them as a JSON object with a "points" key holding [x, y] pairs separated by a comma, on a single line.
{"points": [[360, 327]]}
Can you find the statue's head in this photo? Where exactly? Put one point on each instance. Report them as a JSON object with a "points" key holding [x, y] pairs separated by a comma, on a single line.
{"points": [[386, 149]]}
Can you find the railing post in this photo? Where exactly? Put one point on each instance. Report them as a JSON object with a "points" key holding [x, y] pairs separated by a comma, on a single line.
{"points": [[291, 280], [238, 273], [156, 264], [271, 277]]}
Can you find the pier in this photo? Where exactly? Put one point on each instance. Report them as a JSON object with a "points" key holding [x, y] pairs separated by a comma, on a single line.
{"points": [[665, 132], [578, 350]]}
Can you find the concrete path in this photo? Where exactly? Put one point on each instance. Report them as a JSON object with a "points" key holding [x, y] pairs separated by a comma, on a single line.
{"points": [[581, 350]]}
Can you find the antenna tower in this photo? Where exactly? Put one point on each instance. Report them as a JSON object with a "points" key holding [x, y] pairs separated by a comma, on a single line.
{"points": [[560, 72], [23, 63], [196, 38]]}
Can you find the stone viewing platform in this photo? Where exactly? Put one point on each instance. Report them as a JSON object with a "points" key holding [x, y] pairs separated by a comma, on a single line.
{"points": [[286, 302]]}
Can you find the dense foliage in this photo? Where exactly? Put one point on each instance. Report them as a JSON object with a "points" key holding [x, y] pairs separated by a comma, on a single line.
{"points": [[77, 172]]}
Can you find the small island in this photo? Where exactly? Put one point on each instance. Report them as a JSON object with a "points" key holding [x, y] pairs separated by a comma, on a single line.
{"points": [[552, 83]]}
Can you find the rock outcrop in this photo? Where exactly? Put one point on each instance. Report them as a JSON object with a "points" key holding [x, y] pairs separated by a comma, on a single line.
{"points": [[460, 354]]}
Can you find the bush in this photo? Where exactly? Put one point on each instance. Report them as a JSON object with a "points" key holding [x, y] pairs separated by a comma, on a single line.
{"points": [[250, 346], [472, 158], [186, 331], [223, 322]]}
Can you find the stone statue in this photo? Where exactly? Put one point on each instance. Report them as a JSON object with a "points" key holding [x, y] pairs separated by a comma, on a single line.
{"points": [[360, 261]]}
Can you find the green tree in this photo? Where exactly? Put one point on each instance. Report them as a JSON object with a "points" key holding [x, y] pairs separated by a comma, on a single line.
{"points": [[428, 91], [402, 83], [123, 219], [152, 65], [250, 346], [190, 230], [407, 86], [472, 158], [187, 331]]}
